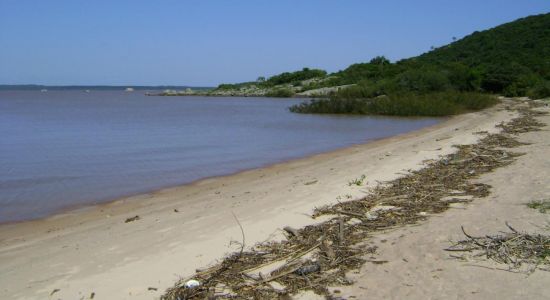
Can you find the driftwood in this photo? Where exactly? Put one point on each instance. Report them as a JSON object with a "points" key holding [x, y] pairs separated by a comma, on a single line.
{"points": [[519, 251], [132, 219], [293, 232], [337, 245], [340, 231]]}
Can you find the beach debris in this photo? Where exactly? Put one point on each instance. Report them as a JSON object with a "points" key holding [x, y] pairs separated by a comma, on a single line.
{"points": [[291, 231], [190, 284], [132, 219], [176, 210], [378, 208], [373, 213], [92, 295], [371, 216], [378, 262], [326, 251], [308, 268], [326, 247], [515, 249], [152, 288], [54, 291], [525, 123], [354, 221], [341, 238], [311, 182], [277, 286]]}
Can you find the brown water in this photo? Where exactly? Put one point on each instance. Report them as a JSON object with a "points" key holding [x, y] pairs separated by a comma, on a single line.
{"points": [[65, 149]]}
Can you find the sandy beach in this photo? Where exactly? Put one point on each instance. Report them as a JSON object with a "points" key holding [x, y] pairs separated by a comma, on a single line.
{"points": [[94, 251]]}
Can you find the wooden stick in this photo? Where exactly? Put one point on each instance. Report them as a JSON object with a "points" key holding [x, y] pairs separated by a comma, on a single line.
{"points": [[325, 247], [291, 231], [341, 231], [350, 214]]}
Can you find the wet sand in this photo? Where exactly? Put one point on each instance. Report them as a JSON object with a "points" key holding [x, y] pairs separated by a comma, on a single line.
{"points": [[93, 250]]}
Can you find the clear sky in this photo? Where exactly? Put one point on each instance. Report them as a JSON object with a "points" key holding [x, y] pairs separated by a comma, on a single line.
{"points": [[206, 42]]}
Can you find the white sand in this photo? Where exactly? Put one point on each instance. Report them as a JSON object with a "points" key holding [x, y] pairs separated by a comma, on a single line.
{"points": [[93, 250]]}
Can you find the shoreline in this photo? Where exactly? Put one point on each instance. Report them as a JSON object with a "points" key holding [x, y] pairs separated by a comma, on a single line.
{"points": [[283, 194], [77, 208], [349, 240]]}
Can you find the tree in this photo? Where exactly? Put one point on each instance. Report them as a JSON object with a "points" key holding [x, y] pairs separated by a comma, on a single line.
{"points": [[380, 60]]}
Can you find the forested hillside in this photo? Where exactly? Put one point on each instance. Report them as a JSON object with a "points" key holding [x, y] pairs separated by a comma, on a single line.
{"points": [[512, 59]]}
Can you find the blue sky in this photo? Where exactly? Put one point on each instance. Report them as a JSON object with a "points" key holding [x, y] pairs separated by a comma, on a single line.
{"points": [[206, 42]]}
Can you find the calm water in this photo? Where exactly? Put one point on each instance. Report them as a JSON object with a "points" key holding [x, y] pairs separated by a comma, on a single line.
{"points": [[64, 149]]}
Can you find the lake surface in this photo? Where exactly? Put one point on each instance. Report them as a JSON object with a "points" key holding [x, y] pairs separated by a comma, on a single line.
{"points": [[65, 149]]}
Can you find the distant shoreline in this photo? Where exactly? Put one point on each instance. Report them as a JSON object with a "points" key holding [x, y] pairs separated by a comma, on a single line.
{"points": [[39, 87]]}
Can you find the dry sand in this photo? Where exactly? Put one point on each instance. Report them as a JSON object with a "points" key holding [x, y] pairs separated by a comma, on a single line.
{"points": [[93, 250], [419, 268]]}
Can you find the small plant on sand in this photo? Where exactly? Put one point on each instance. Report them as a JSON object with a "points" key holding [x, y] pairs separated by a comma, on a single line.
{"points": [[542, 206], [357, 181]]}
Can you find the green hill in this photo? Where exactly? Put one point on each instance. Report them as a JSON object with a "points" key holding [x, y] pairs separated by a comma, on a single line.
{"points": [[512, 59], [509, 58]]}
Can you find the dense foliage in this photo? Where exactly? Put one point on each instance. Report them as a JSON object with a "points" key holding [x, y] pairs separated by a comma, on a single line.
{"points": [[512, 59], [234, 86], [432, 104], [280, 93], [292, 78]]}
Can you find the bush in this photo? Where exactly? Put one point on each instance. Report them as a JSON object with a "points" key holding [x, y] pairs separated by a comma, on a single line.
{"points": [[406, 104], [332, 106], [288, 77], [280, 93], [463, 78], [539, 90], [421, 80], [498, 78], [414, 105]]}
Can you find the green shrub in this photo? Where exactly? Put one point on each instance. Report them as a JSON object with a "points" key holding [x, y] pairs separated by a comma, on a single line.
{"points": [[421, 80], [280, 93], [289, 77], [510, 59], [405, 104], [413, 105], [332, 106], [539, 90]]}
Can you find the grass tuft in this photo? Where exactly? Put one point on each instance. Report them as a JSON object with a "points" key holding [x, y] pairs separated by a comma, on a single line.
{"points": [[542, 206]]}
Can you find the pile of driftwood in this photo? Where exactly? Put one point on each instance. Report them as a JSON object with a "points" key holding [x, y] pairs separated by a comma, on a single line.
{"points": [[526, 123], [520, 251], [318, 256]]}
